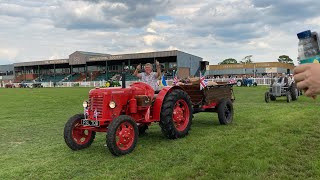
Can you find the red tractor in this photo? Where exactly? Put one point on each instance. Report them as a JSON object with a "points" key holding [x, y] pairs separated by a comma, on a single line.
{"points": [[124, 113]]}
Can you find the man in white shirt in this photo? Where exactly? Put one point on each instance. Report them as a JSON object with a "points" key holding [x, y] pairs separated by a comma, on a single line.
{"points": [[149, 76]]}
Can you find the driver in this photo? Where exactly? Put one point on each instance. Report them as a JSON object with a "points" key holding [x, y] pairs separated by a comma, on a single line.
{"points": [[283, 80], [149, 76]]}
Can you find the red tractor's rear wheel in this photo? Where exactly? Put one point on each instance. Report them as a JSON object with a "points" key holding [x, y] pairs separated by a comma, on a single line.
{"points": [[176, 114], [75, 137], [122, 135]]}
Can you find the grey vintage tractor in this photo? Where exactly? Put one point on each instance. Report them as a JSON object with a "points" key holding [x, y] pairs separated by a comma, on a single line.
{"points": [[278, 90]]}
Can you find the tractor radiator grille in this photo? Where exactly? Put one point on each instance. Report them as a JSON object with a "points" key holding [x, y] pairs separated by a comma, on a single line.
{"points": [[276, 90], [96, 106]]}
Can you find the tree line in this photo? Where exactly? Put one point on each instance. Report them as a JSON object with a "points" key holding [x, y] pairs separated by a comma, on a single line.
{"points": [[247, 59]]}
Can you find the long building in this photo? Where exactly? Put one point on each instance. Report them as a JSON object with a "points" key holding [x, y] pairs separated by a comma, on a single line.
{"points": [[259, 69], [89, 66]]}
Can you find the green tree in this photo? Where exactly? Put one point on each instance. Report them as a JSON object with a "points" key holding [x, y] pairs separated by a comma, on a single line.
{"points": [[246, 60], [285, 59], [229, 61]]}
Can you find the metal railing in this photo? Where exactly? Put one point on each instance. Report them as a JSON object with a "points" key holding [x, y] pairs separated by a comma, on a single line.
{"points": [[259, 81]]}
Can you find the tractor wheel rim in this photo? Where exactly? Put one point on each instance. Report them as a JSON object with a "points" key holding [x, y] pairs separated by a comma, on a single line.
{"points": [[125, 136], [80, 136], [181, 115]]}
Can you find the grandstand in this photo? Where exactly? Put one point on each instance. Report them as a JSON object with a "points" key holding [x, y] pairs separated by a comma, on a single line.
{"points": [[89, 66]]}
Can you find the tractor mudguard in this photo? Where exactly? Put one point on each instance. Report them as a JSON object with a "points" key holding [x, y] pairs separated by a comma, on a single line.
{"points": [[159, 100]]}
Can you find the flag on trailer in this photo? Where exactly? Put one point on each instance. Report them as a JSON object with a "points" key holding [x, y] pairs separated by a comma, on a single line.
{"points": [[163, 81], [203, 82]]}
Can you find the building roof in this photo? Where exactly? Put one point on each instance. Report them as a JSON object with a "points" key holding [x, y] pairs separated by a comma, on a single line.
{"points": [[93, 53], [92, 57]]}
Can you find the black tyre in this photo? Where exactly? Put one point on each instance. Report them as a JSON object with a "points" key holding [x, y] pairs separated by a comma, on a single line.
{"points": [[267, 97], [142, 128], [225, 111], [75, 137], [122, 135], [176, 114], [273, 98], [288, 95], [294, 93]]}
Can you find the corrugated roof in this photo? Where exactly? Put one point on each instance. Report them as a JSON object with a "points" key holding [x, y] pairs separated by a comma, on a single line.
{"points": [[92, 53], [104, 57]]}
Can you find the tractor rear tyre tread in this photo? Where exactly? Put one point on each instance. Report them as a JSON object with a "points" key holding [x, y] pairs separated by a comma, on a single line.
{"points": [[167, 123], [294, 93], [68, 133]]}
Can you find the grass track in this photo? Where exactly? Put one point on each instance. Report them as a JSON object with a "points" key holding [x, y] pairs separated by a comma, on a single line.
{"points": [[266, 141]]}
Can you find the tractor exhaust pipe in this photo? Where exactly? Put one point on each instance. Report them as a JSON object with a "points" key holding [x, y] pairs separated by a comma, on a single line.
{"points": [[123, 80]]}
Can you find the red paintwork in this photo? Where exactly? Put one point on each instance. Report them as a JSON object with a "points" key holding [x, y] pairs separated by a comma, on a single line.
{"points": [[126, 104], [212, 105], [81, 136], [125, 136], [181, 114], [158, 102]]}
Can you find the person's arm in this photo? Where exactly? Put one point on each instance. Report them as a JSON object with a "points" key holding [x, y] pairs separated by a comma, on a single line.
{"points": [[136, 72], [158, 69]]}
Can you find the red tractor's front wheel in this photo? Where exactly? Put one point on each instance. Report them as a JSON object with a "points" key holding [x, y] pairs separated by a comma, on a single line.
{"points": [[122, 135], [75, 137], [176, 114]]}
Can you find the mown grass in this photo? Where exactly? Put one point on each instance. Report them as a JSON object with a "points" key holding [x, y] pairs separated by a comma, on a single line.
{"points": [[278, 140]]}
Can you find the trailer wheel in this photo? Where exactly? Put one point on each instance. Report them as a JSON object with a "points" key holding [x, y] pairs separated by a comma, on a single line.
{"points": [[225, 111], [75, 137], [267, 97], [122, 135], [176, 114]]}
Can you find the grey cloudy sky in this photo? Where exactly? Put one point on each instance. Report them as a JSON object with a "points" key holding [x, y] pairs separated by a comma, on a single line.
{"points": [[33, 30]]}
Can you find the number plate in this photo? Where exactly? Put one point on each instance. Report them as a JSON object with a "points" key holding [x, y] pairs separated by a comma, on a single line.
{"points": [[86, 122]]}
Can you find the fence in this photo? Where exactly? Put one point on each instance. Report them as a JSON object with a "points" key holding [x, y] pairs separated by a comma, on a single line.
{"points": [[259, 81]]}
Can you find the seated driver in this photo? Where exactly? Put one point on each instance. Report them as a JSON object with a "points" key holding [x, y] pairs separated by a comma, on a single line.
{"points": [[283, 80], [149, 76]]}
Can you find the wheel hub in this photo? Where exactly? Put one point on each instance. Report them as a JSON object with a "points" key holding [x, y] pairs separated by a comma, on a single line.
{"points": [[125, 136], [181, 115], [80, 136]]}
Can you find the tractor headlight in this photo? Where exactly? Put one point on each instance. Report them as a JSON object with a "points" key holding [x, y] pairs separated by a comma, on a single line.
{"points": [[85, 104], [112, 104]]}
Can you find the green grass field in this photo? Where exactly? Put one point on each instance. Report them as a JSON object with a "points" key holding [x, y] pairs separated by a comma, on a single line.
{"points": [[278, 140]]}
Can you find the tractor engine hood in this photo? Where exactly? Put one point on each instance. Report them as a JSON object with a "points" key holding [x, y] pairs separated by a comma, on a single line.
{"points": [[108, 103]]}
